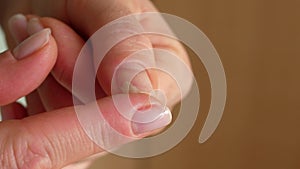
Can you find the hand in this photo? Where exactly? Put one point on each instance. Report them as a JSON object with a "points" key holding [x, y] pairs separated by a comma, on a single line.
{"points": [[56, 138], [60, 79], [87, 17]]}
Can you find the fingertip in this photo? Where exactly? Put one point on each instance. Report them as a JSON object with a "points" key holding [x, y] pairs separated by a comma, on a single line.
{"points": [[69, 44], [20, 77], [32, 44]]}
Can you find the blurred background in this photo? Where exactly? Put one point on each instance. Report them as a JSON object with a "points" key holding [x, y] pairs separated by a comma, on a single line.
{"points": [[2, 41], [3, 47], [258, 42]]}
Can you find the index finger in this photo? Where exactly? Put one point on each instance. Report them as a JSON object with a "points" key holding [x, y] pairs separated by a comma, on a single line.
{"points": [[58, 138]]}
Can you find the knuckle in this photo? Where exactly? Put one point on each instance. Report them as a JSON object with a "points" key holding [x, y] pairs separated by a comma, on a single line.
{"points": [[21, 153], [34, 158]]}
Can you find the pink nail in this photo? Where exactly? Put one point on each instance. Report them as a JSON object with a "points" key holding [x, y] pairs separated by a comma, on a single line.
{"points": [[32, 44]]}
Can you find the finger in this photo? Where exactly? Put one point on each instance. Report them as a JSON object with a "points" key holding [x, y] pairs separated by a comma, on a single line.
{"points": [[55, 139], [79, 165], [34, 103], [53, 95], [69, 46], [17, 26], [13, 111], [85, 163], [24, 69], [122, 63], [166, 83], [110, 10], [63, 69], [144, 81]]}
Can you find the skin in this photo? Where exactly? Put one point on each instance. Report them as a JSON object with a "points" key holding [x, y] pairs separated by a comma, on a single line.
{"points": [[38, 133]]}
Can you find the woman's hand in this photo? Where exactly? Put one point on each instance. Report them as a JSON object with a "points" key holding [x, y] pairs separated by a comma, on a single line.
{"points": [[55, 139], [86, 17]]}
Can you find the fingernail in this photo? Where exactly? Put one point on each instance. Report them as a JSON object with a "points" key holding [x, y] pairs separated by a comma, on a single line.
{"points": [[132, 77], [159, 95], [34, 26], [149, 119], [32, 44], [17, 26]]}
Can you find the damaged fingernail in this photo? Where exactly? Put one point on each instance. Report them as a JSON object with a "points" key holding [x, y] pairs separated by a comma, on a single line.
{"points": [[151, 118]]}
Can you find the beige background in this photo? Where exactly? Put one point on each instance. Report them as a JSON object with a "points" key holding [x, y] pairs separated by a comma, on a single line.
{"points": [[258, 42]]}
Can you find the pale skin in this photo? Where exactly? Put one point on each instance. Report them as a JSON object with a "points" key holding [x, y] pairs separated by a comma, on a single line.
{"points": [[36, 136]]}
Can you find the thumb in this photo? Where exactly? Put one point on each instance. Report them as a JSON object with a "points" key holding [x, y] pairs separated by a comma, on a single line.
{"points": [[25, 67]]}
